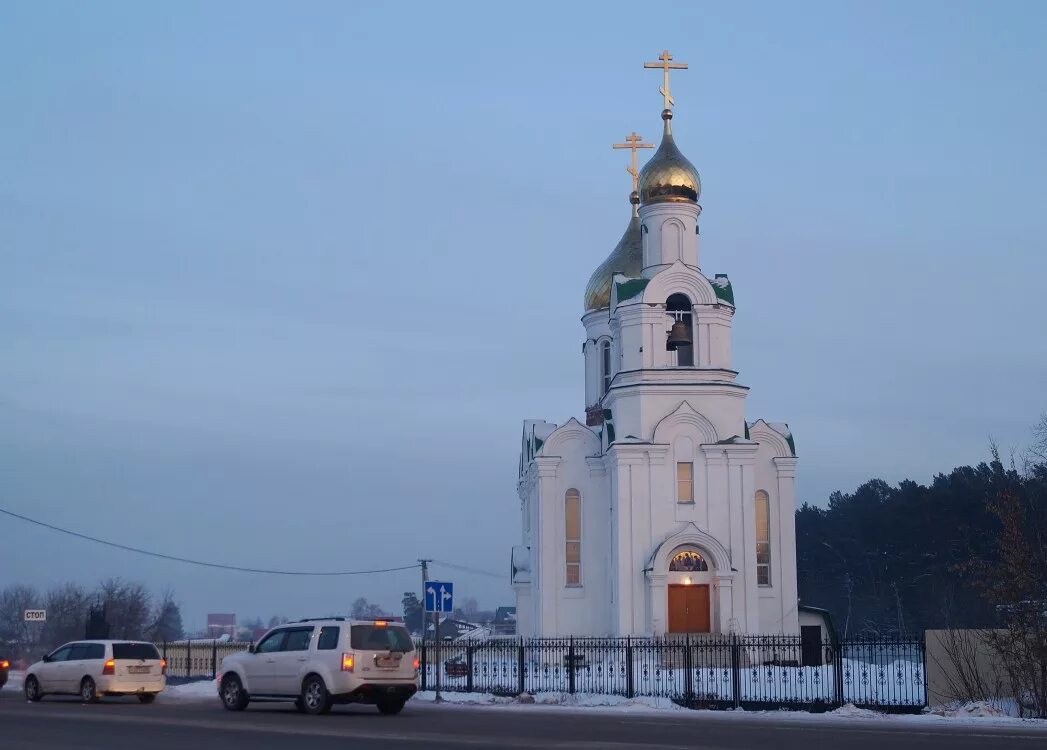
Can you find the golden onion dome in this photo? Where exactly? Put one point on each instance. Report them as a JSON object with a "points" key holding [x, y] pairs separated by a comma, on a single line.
{"points": [[669, 177], [626, 258]]}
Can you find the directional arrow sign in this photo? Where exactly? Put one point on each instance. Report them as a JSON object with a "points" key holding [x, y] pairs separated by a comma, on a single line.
{"points": [[439, 596]]}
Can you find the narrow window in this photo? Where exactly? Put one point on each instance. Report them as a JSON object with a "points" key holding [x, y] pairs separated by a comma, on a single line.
{"points": [[685, 482], [573, 526], [605, 364], [763, 538]]}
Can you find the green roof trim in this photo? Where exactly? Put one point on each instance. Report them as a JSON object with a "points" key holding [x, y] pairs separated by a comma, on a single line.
{"points": [[791, 442], [722, 288], [629, 289], [538, 443], [747, 432]]}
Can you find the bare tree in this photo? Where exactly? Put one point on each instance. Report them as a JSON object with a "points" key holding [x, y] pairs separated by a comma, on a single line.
{"points": [[364, 610], [1016, 584], [127, 608], [66, 614], [14, 600]]}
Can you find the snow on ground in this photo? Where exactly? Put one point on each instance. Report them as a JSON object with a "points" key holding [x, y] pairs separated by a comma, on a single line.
{"points": [[974, 714], [14, 680], [200, 690]]}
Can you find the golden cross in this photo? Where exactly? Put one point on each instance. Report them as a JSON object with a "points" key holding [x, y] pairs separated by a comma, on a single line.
{"points": [[666, 66], [633, 142]]}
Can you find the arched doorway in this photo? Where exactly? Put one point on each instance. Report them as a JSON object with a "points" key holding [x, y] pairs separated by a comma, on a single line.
{"points": [[690, 603]]}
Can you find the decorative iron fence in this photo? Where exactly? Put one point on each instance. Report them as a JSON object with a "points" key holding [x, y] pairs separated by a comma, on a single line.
{"points": [[715, 671], [197, 659], [698, 671]]}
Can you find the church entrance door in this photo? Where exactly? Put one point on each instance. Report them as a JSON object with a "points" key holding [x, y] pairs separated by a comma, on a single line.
{"points": [[689, 609]]}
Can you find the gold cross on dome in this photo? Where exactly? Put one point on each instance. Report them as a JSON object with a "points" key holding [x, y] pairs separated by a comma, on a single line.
{"points": [[666, 66], [633, 142]]}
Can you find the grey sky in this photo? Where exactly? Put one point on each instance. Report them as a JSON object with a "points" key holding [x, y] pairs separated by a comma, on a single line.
{"points": [[279, 283]]}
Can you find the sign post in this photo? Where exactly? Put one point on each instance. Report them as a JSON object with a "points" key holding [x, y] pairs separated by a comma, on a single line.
{"points": [[439, 598]]}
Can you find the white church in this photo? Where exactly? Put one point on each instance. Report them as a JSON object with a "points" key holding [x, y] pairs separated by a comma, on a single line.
{"points": [[667, 511]]}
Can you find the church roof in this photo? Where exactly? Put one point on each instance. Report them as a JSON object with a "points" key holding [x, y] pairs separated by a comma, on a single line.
{"points": [[626, 258], [669, 177]]}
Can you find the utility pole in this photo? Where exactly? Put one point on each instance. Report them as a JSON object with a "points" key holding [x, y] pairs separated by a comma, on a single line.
{"points": [[436, 625]]}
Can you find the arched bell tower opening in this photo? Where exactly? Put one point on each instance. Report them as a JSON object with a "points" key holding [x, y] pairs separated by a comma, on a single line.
{"points": [[681, 335]]}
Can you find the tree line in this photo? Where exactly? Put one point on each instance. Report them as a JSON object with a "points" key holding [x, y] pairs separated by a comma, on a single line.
{"points": [[898, 559], [131, 612]]}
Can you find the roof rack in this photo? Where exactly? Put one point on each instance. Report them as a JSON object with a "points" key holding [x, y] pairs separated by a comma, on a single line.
{"points": [[319, 619]]}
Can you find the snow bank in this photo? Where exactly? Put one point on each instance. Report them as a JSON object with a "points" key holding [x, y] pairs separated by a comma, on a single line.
{"points": [[466, 699], [201, 690], [973, 714], [14, 680], [851, 711]]}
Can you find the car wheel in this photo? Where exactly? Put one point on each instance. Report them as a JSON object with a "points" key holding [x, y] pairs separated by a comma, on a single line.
{"points": [[391, 706], [32, 689], [233, 695], [315, 699], [147, 697], [88, 691]]}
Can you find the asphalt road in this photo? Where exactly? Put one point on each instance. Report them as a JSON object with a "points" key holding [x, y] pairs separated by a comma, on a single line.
{"points": [[118, 723]]}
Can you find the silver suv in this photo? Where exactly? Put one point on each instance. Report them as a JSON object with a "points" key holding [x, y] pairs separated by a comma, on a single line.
{"points": [[317, 663]]}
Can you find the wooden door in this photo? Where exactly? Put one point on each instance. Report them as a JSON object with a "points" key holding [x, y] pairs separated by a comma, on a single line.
{"points": [[689, 609]]}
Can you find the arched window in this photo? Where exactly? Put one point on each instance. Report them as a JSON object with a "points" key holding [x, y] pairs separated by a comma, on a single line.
{"points": [[605, 365], [573, 536], [688, 562], [763, 538], [678, 307]]}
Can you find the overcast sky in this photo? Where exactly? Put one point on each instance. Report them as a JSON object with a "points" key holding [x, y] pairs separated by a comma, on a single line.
{"points": [[280, 281]]}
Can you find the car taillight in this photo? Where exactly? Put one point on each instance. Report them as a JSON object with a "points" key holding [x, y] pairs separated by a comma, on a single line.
{"points": [[110, 667], [348, 662], [380, 623], [163, 666], [4, 664], [417, 664]]}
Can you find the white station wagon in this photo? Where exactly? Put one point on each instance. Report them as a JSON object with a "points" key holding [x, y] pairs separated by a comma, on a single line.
{"points": [[92, 669]]}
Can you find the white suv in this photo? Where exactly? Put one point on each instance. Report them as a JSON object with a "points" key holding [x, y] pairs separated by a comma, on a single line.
{"points": [[317, 663], [92, 669]]}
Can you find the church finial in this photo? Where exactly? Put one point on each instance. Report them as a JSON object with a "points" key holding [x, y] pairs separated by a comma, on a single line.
{"points": [[633, 142], [666, 65]]}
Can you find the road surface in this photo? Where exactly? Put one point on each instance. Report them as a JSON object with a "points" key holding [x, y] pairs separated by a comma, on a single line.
{"points": [[119, 723]]}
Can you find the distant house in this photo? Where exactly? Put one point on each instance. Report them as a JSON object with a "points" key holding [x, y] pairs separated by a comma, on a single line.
{"points": [[221, 624], [451, 629], [504, 622]]}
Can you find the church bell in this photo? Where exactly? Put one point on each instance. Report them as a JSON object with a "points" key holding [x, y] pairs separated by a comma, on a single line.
{"points": [[678, 336]]}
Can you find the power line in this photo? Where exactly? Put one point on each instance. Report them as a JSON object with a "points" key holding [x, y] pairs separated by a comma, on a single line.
{"points": [[201, 563], [467, 569]]}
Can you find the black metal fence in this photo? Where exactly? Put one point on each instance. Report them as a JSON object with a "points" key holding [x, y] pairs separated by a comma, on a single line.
{"points": [[755, 672]]}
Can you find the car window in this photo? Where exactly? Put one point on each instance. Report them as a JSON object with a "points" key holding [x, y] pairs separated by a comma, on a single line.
{"points": [[61, 654], [328, 639], [135, 651], [298, 639], [79, 652], [381, 638], [273, 642], [95, 651]]}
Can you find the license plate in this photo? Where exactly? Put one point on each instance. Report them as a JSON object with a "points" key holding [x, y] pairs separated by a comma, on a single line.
{"points": [[138, 670], [388, 662]]}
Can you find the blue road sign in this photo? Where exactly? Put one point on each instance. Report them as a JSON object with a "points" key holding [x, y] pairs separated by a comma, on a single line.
{"points": [[439, 596]]}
